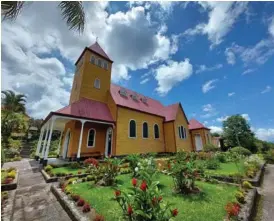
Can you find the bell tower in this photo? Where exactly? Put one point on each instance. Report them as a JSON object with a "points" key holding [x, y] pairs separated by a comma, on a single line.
{"points": [[92, 76]]}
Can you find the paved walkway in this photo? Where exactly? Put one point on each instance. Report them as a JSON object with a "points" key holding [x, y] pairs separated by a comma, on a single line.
{"points": [[268, 194], [33, 198]]}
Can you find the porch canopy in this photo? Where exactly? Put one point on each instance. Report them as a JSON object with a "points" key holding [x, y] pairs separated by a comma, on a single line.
{"points": [[84, 110]]}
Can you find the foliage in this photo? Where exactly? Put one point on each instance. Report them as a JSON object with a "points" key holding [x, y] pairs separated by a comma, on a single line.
{"points": [[263, 146], [215, 134], [4, 195], [204, 155], [247, 185], [184, 170], [75, 197], [11, 152], [99, 217], [237, 132], [232, 209], [11, 174], [48, 168], [91, 162], [80, 202], [240, 150], [252, 165], [72, 12], [269, 156], [212, 164], [15, 144], [13, 102], [144, 203], [86, 208], [133, 159], [221, 157], [74, 165], [210, 148], [146, 168], [240, 197]]}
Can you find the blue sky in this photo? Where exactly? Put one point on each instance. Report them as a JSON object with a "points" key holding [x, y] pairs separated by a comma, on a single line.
{"points": [[216, 58]]}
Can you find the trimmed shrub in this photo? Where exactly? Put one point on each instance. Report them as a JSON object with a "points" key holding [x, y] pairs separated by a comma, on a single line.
{"points": [[247, 185], [86, 208], [11, 174], [241, 151], [90, 178], [221, 157], [74, 165], [210, 148], [240, 197], [212, 164], [48, 168], [11, 169]]}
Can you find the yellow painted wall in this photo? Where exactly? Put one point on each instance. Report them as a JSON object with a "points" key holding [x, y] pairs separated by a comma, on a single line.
{"points": [[169, 137], [182, 144], [126, 145], [69, 126], [112, 107], [202, 133]]}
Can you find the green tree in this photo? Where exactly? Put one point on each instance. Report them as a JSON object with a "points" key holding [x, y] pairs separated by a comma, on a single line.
{"points": [[237, 132], [215, 134], [13, 102], [72, 12]]}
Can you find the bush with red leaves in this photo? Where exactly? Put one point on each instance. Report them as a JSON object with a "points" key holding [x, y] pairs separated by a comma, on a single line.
{"points": [[75, 197], [86, 208], [8, 180], [91, 161], [80, 202], [232, 209], [99, 217]]}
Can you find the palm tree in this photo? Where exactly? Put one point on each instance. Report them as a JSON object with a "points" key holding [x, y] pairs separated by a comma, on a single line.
{"points": [[13, 102], [72, 12]]}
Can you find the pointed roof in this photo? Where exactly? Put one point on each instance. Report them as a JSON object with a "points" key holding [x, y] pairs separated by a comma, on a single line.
{"points": [[194, 124], [97, 48]]}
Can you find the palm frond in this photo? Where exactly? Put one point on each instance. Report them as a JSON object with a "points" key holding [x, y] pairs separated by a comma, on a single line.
{"points": [[10, 9], [73, 13]]}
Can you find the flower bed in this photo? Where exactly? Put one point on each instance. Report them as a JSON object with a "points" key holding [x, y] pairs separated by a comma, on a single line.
{"points": [[189, 207], [9, 179]]}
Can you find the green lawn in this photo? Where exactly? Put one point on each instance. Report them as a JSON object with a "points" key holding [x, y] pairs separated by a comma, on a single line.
{"points": [[228, 169], [66, 170], [208, 205]]}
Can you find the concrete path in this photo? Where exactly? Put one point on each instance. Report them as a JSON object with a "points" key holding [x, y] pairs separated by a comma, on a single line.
{"points": [[33, 198], [268, 194]]}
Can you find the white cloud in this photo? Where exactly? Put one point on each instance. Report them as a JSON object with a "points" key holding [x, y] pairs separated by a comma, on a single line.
{"points": [[209, 85], [259, 53], [216, 129], [246, 116], [271, 27], [265, 134], [203, 68], [267, 89], [221, 119], [208, 108], [231, 94], [39, 51], [145, 80], [209, 111], [248, 71], [168, 75], [221, 18], [230, 56]]}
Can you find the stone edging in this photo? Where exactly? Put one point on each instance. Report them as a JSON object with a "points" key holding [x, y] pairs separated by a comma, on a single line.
{"points": [[8, 210], [69, 206], [11, 186], [248, 208], [256, 181]]}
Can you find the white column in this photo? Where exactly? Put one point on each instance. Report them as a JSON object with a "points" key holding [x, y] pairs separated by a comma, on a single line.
{"points": [[49, 138], [59, 145], [45, 141], [80, 140], [39, 142]]}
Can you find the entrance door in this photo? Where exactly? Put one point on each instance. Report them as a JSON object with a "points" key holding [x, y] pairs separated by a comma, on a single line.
{"points": [[108, 146], [198, 142], [66, 145]]}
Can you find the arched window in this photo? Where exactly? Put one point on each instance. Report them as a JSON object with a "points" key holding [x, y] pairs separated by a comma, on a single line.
{"points": [[91, 137], [92, 59], [132, 128], [145, 130], [97, 83], [156, 131]]}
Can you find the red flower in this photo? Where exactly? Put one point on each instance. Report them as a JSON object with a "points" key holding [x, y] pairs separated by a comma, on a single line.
{"points": [[169, 166], [232, 209], [134, 181], [117, 193], [174, 212], [160, 198], [129, 210], [143, 186], [86, 208], [80, 202]]}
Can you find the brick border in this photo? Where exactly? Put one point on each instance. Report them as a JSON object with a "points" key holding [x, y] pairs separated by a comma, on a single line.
{"points": [[69, 206], [11, 186]]}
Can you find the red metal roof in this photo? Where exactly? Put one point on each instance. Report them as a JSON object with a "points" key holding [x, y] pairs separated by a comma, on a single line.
{"points": [[194, 124], [97, 48], [88, 109], [151, 106]]}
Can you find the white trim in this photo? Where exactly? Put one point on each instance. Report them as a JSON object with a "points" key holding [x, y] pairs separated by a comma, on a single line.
{"points": [[180, 132], [129, 129], [106, 142], [45, 141], [97, 80], [158, 131], [94, 138], [143, 130]]}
